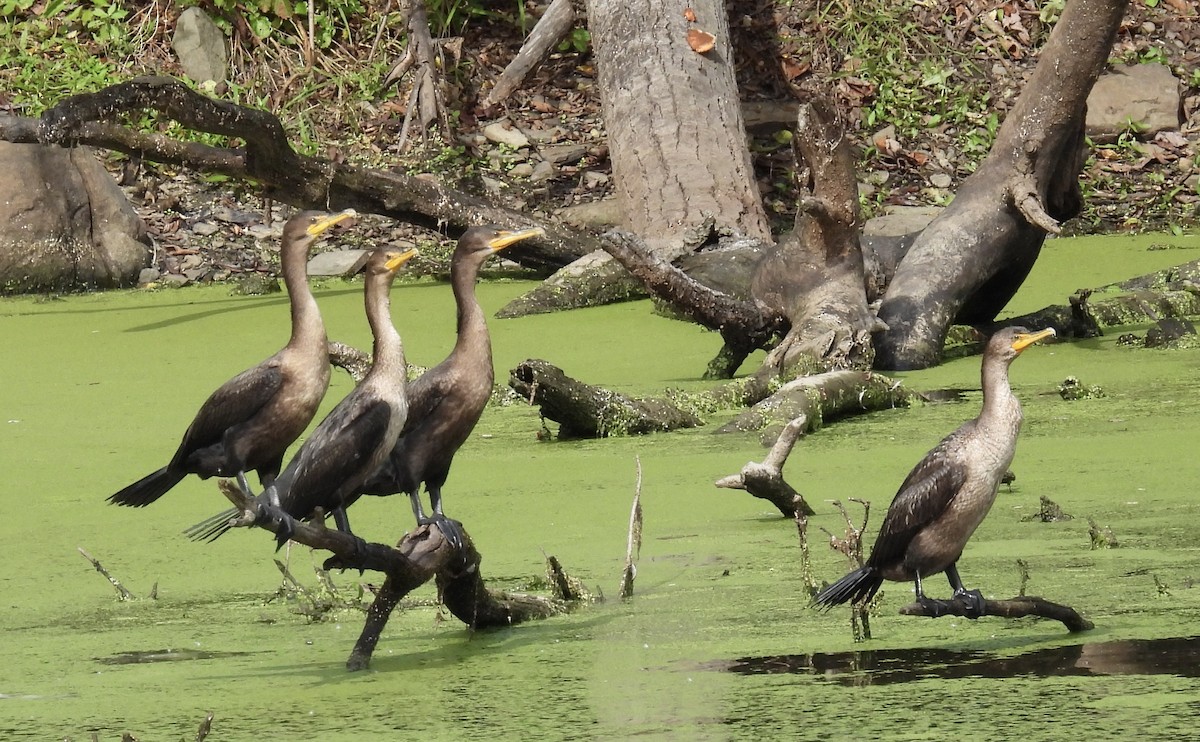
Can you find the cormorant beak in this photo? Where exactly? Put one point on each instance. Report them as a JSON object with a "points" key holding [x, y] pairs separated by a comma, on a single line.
{"points": [[321, 225], [1024, 340], [504, 239], [397, 259]]}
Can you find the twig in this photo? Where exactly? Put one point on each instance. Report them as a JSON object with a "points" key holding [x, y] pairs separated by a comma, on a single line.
{"points": [[634, 548], [121, 591], [205, 727]]}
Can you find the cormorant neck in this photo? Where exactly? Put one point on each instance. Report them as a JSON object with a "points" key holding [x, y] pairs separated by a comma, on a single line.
{"points": [[472, 326], [387, 349], [998, 398], [308, 330]]}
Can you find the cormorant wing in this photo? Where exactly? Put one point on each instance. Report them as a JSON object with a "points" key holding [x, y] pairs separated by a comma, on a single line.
{"points": [[233, 403], [334, 456], [921, 499], [425, 394]]}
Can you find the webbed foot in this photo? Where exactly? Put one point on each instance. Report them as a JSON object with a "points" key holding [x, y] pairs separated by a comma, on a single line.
{"points": [[933, 608]]}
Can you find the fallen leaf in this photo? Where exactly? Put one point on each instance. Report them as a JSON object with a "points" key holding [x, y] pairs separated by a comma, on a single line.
{"points": [[793, 69], [689, 15], [701, 41]]}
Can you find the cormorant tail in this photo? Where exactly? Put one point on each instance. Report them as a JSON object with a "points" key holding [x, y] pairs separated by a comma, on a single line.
{"points": [[857, 587], [148, 489], [212, 528]]}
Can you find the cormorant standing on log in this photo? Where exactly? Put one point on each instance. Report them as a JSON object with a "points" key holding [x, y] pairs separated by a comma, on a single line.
{"points": [[354, 438], [447, 401], [947, 494], [249, 422]]}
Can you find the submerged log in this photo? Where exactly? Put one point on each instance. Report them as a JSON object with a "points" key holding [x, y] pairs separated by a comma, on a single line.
{"points": [[1017, 607], [586, 411], [422, 554]]}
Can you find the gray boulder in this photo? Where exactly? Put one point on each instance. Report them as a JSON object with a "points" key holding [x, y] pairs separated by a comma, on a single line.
{"points": [[1144, 97], [64, 223], [200, 46]]}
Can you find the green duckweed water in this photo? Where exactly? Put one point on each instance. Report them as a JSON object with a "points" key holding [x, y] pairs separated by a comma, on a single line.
{"points": [[95, 391]]}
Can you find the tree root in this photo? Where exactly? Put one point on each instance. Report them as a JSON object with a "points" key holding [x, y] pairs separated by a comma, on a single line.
{"points": [[1017, 607]]}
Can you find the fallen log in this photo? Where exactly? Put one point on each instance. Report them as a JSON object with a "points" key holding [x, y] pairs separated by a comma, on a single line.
{"points": [[268, 159], [422, 554]]}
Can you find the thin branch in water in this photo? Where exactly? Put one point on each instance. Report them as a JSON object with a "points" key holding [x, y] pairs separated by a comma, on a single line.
{"points": [[122, 593], [634, 547], [205, 727]]}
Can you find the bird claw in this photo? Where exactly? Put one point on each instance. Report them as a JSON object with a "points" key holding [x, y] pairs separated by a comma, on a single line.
{"points": [[973, 603], [451, 530]]}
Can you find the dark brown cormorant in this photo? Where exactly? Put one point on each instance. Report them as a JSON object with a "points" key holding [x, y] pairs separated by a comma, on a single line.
{"points": [[946, 496], [447, 401], [248, 423], [355, 437]]}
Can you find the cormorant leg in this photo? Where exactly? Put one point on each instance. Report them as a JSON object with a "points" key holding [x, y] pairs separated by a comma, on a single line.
{"points": [[342, 520], [972, 599], [244, 484], [451, 529], [932, 606]]}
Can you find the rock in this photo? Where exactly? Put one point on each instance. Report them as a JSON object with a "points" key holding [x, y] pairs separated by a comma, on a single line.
{"points": [[337, 263], [65, 225], [204, 229], [200, 46], [522, 170], [901, 220], [148, 275], [600, 214], [563, 154], [1146, 94], [593, 179], [503, 133], [940, 180], [542, 172]]}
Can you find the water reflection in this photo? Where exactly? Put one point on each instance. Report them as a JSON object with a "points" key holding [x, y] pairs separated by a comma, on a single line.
{"points": [[1177, 656]]}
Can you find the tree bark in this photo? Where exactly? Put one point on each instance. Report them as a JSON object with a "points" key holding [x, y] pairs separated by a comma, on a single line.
{"points": [[268, 158], [814, 276], [971, 259]]}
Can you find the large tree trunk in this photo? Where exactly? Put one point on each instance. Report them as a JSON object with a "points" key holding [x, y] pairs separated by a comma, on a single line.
{"points": [[969, 261], [676, 139]]}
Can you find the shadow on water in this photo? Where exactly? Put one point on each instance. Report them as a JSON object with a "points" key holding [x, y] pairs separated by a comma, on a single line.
{"points": [[139, 657], [1176, 656]]}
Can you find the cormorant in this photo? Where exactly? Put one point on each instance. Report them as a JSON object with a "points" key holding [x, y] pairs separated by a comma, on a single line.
{"points": [[946, 496], [447, 401], [248, 423], [355, 437]]}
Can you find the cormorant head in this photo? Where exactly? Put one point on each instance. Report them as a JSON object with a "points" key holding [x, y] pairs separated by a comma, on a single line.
{"points": [[1009, 342], [304, 228], [387, 261], [481, 243]]}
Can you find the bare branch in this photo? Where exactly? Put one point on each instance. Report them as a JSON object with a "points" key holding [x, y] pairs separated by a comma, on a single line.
{"points": [[1017, 607], [550, 29]]}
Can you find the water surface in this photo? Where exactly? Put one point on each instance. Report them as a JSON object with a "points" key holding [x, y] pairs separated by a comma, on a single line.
{"points": [[95, 391]]}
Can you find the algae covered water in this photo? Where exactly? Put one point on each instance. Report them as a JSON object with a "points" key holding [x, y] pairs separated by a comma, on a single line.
{"points": [[717, 642]]}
